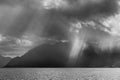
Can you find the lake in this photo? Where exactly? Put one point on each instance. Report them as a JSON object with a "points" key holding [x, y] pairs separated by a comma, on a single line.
{"points": [[59, 74]]}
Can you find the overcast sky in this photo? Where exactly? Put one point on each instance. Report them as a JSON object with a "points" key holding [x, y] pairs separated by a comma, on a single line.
{"points": [[26, 24]]}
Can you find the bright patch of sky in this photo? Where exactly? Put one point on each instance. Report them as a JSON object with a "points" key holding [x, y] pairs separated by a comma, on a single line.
{"points": [[48, 4], [114, 24]]}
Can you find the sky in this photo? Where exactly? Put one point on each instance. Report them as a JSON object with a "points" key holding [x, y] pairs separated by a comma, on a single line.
{"points": [[29, 23]]}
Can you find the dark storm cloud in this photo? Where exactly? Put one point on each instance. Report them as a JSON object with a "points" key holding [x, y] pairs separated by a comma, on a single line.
{"points": [[83, 11], [21, 24], [57, 23], [56, 28], [56, 18]]}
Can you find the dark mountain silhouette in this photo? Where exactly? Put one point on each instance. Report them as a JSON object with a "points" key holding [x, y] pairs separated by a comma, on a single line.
{"points": [[4, 61], [46, 55], [56, 55]]}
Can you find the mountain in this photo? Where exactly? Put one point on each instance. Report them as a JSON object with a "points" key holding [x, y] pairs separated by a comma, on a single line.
{"points": [[57, 55], [4, 60], [46, 55]]}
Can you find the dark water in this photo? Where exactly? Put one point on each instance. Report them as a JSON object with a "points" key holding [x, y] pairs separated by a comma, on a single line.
{"points": [[59, 74]]}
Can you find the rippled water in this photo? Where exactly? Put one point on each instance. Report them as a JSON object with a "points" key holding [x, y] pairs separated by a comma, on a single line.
{"points": [[59, 74]]}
